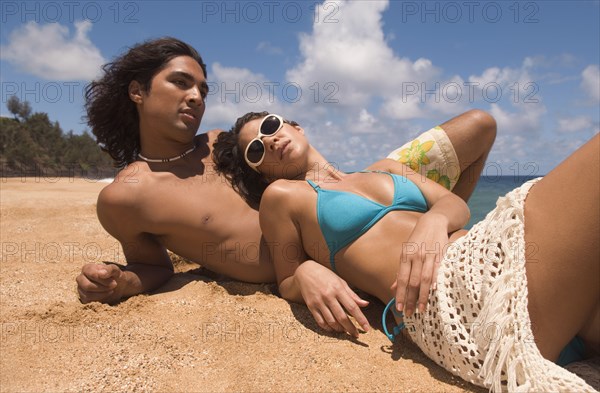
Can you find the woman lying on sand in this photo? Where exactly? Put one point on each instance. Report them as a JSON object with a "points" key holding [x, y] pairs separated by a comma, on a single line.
{"points": [[479, 295]]}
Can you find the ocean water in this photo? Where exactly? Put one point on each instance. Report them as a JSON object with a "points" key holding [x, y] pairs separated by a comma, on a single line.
{"points": [[487, 192]]}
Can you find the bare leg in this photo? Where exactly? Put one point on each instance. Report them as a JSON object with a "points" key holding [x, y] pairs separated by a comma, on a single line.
{"points": [[472, 135], [562, 224]]}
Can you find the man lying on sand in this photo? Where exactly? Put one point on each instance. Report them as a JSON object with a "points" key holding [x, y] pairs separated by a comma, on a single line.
{"points": [[145, 112]]}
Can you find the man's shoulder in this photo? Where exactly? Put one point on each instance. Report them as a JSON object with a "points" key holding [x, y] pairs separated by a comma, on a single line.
{"points": [[209, 137], [207, 140], [122, 205], [128, 186]]}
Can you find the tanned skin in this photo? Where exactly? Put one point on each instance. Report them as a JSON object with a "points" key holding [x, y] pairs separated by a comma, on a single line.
{"points": [[186, 207]]}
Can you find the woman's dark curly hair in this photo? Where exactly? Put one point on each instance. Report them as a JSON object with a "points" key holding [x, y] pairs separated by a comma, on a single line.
{"points": [[111, 114], [229, 160]]}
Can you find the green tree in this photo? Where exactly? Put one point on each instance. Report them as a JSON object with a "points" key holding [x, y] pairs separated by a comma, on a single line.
{"points": [[25, 110], [18, 150], [32, 142], [14, 106], [18, 109], [48, 137], [82, 153]]}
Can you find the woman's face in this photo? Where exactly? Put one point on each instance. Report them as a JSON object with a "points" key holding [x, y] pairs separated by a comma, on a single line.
{"points": [[284, 150]]}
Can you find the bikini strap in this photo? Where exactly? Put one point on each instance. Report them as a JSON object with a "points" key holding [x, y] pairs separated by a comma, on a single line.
{"points": [[313, 185]]}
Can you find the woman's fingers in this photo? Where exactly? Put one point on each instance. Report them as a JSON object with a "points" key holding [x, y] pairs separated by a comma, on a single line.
{"points": [[402, 279], [419, 264], [426, 279], [342, 318], [415, 276], [334, 319], [436, 268], [333, 315], [414, 282], [352, 303], [319, 319]]}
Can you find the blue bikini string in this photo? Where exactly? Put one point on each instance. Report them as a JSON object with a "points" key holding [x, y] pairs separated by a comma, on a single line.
{"points": [[396, 330]]}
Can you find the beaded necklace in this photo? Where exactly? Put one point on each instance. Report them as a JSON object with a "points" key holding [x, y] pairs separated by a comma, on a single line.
{"points": [[167, 159]]}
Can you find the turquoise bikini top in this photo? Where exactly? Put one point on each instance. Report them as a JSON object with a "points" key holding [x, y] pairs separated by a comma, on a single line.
{"points": [[344, 216]]}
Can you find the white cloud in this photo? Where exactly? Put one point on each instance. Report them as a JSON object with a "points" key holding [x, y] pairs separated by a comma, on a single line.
{"points": [[378, 108], [555, 151], [365, 123], [515, 84], [267, 47], [452, 97], [576, 124], [526, 119], [517, 88], [47, 51], [235, 91], [590, 82], [366, 118], [353, 53], [405, 107], [495, 75]]}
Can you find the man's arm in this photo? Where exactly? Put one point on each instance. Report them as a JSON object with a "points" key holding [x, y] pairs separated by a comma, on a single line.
{"points": [[148, 264]]}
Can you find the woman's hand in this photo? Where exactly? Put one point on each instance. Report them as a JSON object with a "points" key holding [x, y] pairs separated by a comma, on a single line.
{"points": [[419, 262], [330, 299]]}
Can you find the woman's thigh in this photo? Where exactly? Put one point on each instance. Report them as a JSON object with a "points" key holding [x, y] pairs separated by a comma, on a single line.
{"points": [[562, 226]]}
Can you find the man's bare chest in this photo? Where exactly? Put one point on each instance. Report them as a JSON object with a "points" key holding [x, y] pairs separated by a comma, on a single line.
{"points": [[197, 203]]}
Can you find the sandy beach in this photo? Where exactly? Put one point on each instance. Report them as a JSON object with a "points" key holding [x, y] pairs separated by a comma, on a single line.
{"points": [[198, 333]]}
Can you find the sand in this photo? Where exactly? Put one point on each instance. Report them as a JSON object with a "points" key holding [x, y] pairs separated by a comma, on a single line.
{"points": [[198, 333]]}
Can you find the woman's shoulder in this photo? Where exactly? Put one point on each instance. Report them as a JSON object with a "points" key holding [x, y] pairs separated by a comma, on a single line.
{"points": [[286, 195], [283, 189]]}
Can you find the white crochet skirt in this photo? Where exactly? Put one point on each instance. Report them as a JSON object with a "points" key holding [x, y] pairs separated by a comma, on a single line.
{"points": [[476, 324]]}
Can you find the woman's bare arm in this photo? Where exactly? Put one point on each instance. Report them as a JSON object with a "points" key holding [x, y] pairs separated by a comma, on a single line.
{"points": [[300, 279]]}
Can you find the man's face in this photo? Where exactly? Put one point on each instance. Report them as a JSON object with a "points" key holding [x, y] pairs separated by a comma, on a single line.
{"points": [[176, 98]]}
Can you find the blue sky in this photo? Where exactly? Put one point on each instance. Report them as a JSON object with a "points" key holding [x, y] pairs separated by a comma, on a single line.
{"points": [[362, 77]]}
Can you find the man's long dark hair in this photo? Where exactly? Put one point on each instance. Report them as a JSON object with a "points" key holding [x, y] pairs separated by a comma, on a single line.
{"points": [[111, 114], [229, 160]]}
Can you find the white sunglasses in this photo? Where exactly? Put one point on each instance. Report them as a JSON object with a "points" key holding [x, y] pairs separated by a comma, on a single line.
{"points": [[255, 151]]}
